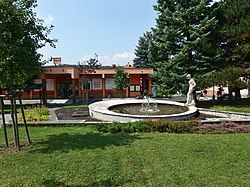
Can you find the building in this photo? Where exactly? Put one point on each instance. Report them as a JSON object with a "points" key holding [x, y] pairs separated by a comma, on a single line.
{"points": [[67, 81]]}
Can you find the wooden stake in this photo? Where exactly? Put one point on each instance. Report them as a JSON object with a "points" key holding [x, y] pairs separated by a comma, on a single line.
{"points": [[15, 131], [3, 119], [24, 119], [17, 126]]}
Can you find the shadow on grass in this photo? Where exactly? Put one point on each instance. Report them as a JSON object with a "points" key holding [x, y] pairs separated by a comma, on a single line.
{"points": [[65, 142], [106, 183]]}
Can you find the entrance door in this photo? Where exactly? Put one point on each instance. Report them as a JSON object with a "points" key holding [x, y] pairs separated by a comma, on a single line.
{"points": [[64, 90]]}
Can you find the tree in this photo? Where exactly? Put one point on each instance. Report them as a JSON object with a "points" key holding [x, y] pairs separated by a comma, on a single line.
{"points": [[121, 80], [87, 67], [181, 43], [234, 39], [235, 32], [230, 77], [21, 35], [142, 51]]}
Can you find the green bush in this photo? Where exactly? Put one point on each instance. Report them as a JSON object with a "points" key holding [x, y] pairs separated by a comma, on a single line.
{"points": [[149, 126], [35, 114]]}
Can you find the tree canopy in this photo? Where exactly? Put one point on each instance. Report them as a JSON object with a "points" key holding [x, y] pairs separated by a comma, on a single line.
{"points": [[181, 42], [234, 19], [21, 35], [121, 79], [199, 37], [142, 51]]}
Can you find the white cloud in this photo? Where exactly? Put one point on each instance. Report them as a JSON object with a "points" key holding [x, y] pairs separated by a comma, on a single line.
{"points": [[48, 20], [118, 58]]}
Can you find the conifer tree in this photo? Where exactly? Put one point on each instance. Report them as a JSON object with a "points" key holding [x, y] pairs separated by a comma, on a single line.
{"points": [[234, 39], [181, 43], [235, 32], [142, 51]]}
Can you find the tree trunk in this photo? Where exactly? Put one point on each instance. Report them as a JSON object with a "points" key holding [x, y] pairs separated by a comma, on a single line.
{"points": [[44, 92], [24, 120], [74, 91], [236, 94], [4, 124], [14, 124]]}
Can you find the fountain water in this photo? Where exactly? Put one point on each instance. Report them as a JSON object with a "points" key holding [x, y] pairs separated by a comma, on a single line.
{"points": [[149, 106]]}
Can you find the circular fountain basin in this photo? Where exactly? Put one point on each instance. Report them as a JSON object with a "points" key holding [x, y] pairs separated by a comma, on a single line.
{"points": [[101, 111]]}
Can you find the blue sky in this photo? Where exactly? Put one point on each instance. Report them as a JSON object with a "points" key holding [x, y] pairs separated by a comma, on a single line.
{"points": [[110, 28]]}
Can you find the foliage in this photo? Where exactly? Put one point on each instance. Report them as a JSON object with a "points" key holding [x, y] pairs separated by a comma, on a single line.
{"points": [[142, 51], [149, 126], [121, 79], [80, 156], [22, 34], [35, 114], [89, 66], [242, 105], [235, 32], [233, 38], [181, 43], [229, 77]]}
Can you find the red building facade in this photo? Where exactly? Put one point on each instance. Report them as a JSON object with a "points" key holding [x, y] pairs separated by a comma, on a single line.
{"points": [[64, 81]]}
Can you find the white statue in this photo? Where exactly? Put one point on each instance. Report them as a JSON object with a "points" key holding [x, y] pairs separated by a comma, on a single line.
{"points": [[190, 97]]}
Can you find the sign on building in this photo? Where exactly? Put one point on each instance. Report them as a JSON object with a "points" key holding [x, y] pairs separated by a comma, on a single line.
{"points": [[57, 60]]}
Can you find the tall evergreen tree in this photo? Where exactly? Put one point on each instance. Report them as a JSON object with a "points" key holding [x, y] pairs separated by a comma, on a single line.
{"points": [[181, 42], [235, 32], [142, 51], [234, 39]]}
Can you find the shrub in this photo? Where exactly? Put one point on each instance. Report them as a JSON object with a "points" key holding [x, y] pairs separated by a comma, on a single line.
{"points": [[35, 114], [149, 126], [172, 126], [132, 127]]}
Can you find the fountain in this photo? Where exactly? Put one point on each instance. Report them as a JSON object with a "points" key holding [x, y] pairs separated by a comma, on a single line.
{"points": [[126, 110], [107, 110]]}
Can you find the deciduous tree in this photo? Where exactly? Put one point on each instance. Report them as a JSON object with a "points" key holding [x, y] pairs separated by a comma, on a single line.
{"points": [[121, 80], [21, 35]]}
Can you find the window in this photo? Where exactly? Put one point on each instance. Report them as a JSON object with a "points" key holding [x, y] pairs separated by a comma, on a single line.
{"points": [[50, 84], [86, 84], [97, 84], [135, 88], [110, 83]]}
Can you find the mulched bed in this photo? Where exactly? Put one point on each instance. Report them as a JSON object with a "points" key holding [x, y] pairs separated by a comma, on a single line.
{"points": [[223, 127], [66, 114], [12, 148]]}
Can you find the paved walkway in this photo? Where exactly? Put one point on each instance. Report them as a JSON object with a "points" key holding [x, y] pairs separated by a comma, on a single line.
{"points": [[37, 101]]}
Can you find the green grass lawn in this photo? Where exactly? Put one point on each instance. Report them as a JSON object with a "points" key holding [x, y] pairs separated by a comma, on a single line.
{"points": [[80, 156], [76, 106], [242, 105]]}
